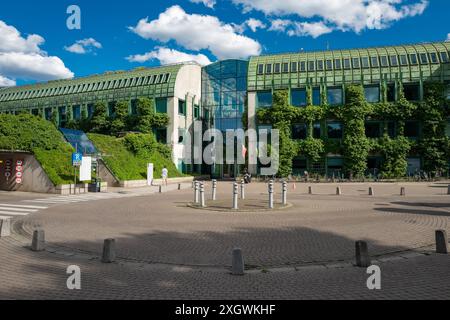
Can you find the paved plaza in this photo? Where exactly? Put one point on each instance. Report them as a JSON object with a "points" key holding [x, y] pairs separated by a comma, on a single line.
{"points": [[166, 249]]}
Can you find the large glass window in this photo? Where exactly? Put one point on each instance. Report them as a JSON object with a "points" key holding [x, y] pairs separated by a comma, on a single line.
{"points": [[264, 99], [293, 67], [77, 112], [317, 130], [403, 60], [334, 96], [412, 92], [303, 66], [444, 57], [412, 129], [311, 65], [392, 129], [335, 130], [277, 68], [372, 94], [365, 62], [347, 64], [161, 105], [413, 59], [384, 61], [316, 96], [260, 69], [268, 68], [320, 65], [337, 64], [373, 129], [394, 61], [374, 62], [299, 131], [391, 92], [329, 65], [285, 67], [356, 63], [181, 107], [423, 58], [434, 58], [298, 97]]}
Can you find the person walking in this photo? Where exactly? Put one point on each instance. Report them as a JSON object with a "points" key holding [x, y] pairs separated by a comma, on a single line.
{"points": [[165, 176]]}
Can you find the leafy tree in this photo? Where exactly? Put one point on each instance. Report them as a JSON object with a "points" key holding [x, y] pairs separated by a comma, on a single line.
{"points": [[119, 123], [55, 117], [148, 118], [100, 122]]}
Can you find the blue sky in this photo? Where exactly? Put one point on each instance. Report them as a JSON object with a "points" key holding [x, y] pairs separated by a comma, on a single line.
{"points": [[36, 45]]}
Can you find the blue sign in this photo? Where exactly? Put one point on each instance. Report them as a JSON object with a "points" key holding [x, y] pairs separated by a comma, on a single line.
{"points": [[76, 159]]}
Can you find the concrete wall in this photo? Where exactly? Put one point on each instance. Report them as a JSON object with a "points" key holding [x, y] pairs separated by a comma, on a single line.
{"points": [[34, 178], [106, 175]]}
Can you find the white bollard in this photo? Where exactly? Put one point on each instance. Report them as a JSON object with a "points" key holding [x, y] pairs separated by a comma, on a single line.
{"points": [[338, 191], [243, 190], [235, 196], [196, 192], [214, 190], [284, 195], [271, 204], [202, 196]]}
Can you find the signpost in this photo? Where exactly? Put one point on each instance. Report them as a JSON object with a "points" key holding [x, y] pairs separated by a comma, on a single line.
{"points": [[77, 159]]}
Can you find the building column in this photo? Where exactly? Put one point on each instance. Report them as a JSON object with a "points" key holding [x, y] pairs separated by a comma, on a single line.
{"points": [[251, 100]]}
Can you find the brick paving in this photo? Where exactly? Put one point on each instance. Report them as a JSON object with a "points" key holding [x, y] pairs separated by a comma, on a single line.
{"points": [[169, 251]]}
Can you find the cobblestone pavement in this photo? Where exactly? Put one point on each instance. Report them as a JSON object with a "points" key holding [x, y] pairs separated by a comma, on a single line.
{"points": [[169, 251]]}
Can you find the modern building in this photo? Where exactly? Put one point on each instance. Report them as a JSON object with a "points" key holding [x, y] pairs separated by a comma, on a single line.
{"points": [[219, 93]]}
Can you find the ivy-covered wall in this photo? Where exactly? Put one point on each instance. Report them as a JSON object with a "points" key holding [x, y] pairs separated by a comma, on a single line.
{"points": [[432, 146]]}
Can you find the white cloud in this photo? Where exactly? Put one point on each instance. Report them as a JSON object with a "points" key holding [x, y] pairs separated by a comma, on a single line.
{"points": [[207, 3], [197, 32], [293, 28], [255, 24], [84, 46], [22, 58], [168, 56], [5, 82], [345, 15]]}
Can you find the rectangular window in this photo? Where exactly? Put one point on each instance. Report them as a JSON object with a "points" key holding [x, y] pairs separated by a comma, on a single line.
{"points": [[372, 94], [181, 107], [346, 63], [394, 61], [334, 96], [392, 129], [384, 61], [311, 65], [356, 63], [268, 68], [412, 92], [303, 66], [90, 110], [298, 97], [413, 59], [299, 132], [412, 129], [403, 60], [365, 62], [293, 67], [423, 58], [335, 130], [374, 62], [285, 67], [264, 99], [161, 135], [316, 96], [161, 105], [391, 92], [337, 64], [260, 69], [329, 65], [373, 129], [320, 65], [111, 108], [77, 112], [134, 106], [434, 58], [444, 57], [277, 68], [317, 130]]}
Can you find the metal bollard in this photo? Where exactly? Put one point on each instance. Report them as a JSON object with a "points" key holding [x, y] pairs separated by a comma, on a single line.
{"points": [[196, 192], [237, 265], [403, 192], [371, 192], [362, 255], [284, 196], [448, 191], [271, 203], [38, 243], [310, 190], [235, 196], [179, 186], [243, 190], [202, 196], [338, 191], [109, 251], [214, 190], [160, 189], [441, 242]]}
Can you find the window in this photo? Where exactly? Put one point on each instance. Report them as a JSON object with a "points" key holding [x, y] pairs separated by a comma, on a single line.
{"points": [[413, 59], [285, 67], [412, 129], [264, 99], [298, 97], [434, 58], [373, 129], [181, 107], [444, 57], [196, 112], [335, 130], [403, 60], [276, 68], [299, 132], [334, 96], [268, 68], [391, 92], [346, 63], [392, 129], [423, 58], [384, 61], [76, 112], [161, 135], [394, 61], [317, 130], [374, 61], [329, 65], [90, 110], [316, 96], [372, 94], [294, 67], [356, 63], [161, 105], [337, 64], [365, 62], [311, 65], [134, 106], [320, 65], [111, 108], [412, 92], [303, 66]]}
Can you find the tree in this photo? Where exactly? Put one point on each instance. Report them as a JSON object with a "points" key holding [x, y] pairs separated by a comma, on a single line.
{"points": [[55, 117], [119, 123], [100, 122], [148, 118]]}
